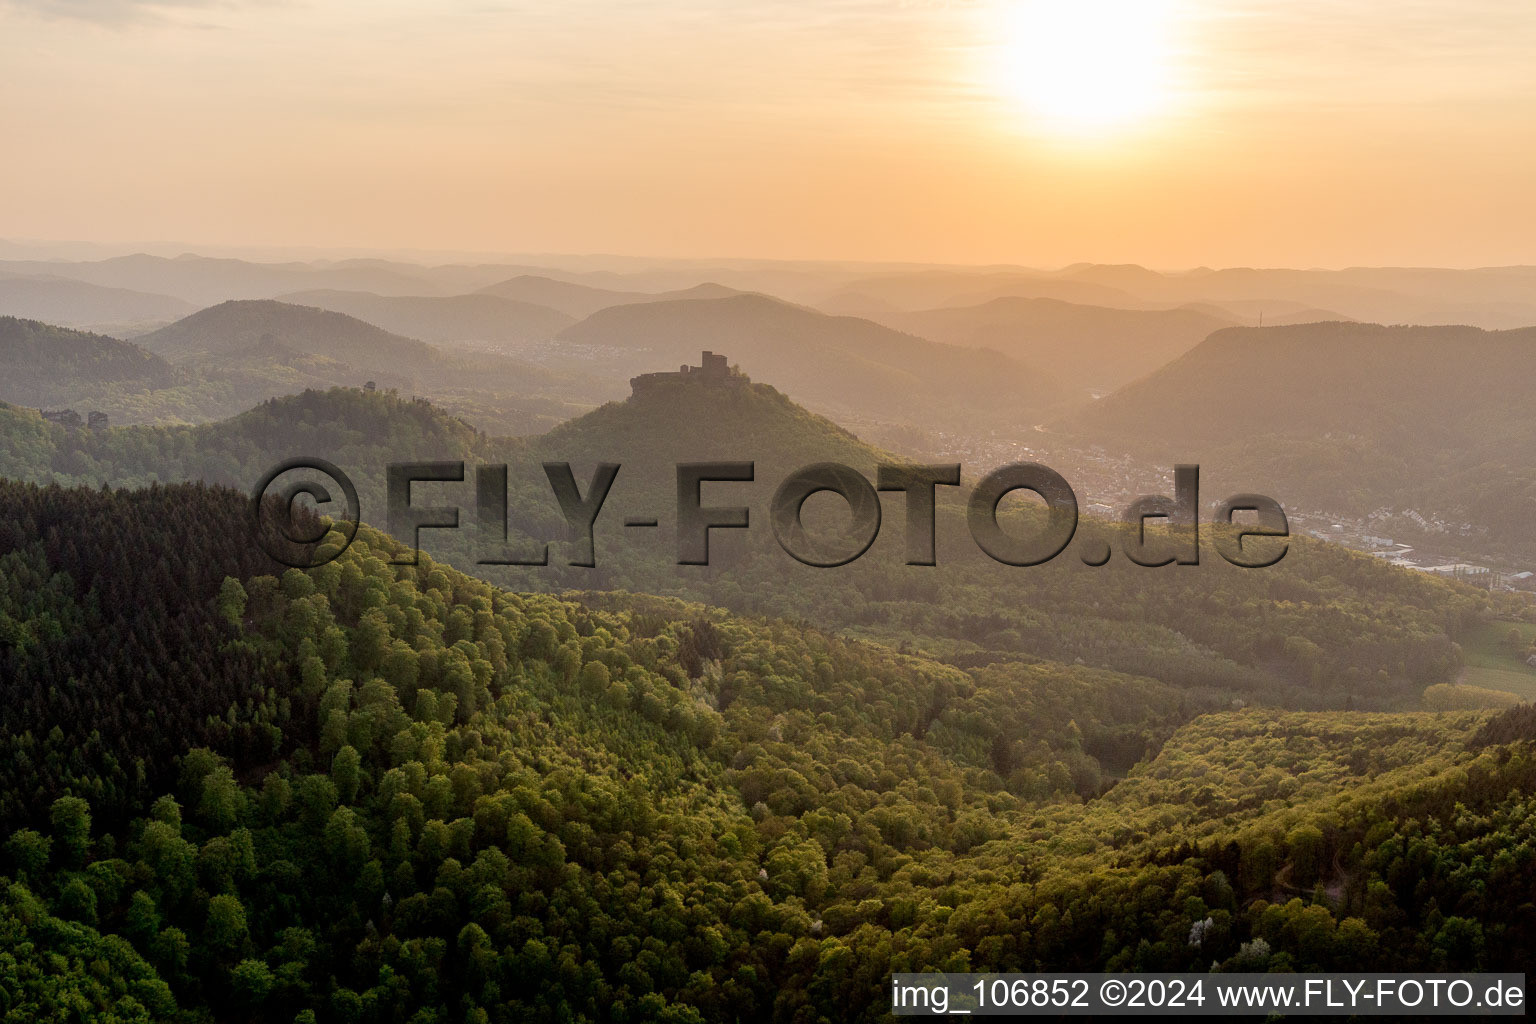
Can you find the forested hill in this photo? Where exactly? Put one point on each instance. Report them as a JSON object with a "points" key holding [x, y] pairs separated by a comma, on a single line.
{"points": [[113, 656], [754, 421], [357, 429], [222, 360], [1405, 388], [1354, 419], [1323, 628], [420, 798], [44, 365], [363, 431]]}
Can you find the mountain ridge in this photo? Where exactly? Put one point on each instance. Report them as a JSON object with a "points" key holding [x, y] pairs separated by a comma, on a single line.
{"points": [[1094, 348], [847, 367], [582, 300], [475, 317]]}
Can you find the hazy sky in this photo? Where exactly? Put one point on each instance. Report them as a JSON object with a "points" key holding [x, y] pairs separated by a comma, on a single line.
{"points": [[1168, 132]]}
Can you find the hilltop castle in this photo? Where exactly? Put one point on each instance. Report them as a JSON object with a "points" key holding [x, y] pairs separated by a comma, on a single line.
{"points": [[715, 372]]}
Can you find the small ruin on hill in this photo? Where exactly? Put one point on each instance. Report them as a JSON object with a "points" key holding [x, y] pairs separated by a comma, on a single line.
{"points": [[714, 372]]}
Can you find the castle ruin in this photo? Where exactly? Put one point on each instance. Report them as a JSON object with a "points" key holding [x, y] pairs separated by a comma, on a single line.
{"points": [[714, 371]]}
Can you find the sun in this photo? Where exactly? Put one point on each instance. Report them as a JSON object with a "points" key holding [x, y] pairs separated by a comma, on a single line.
{"points": [[1086, 66]]}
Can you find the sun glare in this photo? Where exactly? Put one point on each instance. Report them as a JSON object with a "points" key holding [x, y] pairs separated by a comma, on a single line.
{"points": [[1086, 66]]}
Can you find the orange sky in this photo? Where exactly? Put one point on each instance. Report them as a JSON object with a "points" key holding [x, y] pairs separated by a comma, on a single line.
{"points": [[1303, 132]]}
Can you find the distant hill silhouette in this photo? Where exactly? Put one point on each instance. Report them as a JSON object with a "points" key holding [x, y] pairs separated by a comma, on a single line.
{"points": [[1088, 347], [236, 326], [579, 300], [1489, 297], [849, 368], [1273, 312], [930, 288], [59, 300], [487, 318], [203, 280], [260, 348]]}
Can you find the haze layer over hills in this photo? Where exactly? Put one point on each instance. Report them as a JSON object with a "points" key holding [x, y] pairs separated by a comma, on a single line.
{"points": [[1091, 348], [580, 300], [490, 320], [1492, 297]]}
